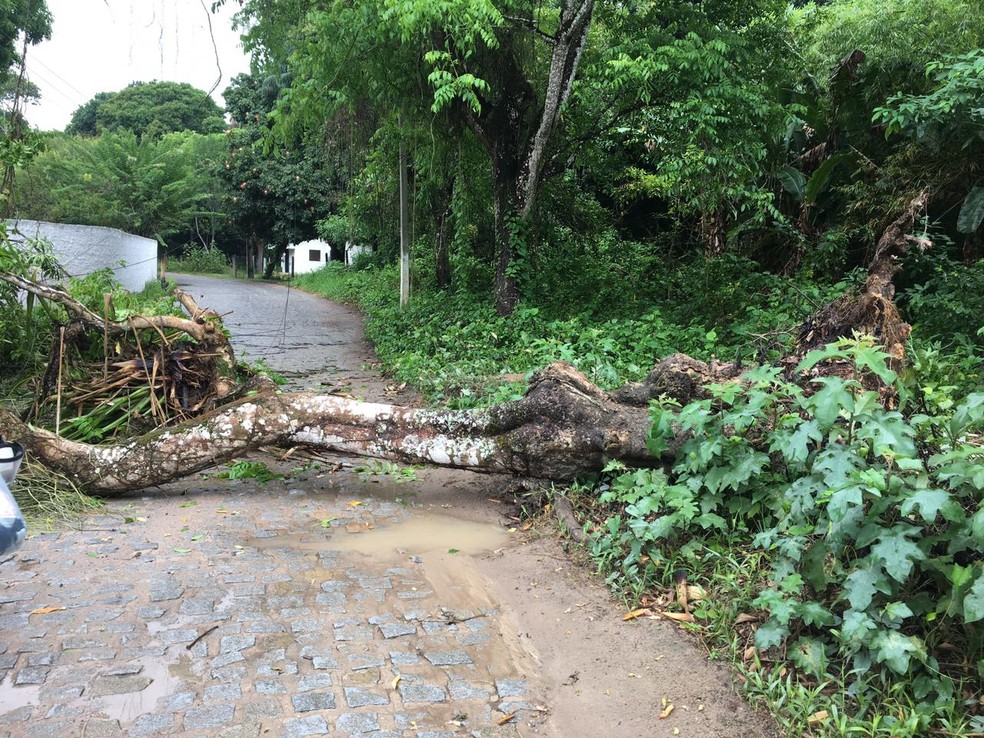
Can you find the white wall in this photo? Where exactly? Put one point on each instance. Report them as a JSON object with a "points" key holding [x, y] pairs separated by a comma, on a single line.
{"points": [[303, 253], [82, 250]]}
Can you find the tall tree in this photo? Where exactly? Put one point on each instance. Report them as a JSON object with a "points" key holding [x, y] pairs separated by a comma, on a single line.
{"points": [[277, 197], [502, 70], [149, 108]]}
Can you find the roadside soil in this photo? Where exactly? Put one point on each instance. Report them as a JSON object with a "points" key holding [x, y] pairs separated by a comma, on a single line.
{"points": [[563, 661]]}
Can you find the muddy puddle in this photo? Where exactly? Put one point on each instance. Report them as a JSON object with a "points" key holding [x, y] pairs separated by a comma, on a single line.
{"points": [[421, 534]]}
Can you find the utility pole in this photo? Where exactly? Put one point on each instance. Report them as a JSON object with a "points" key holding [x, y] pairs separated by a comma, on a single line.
{"points": [[404, 229]]}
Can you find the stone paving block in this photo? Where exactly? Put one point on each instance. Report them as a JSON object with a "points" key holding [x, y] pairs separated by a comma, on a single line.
{"points": [[288, 667], [245, 730], [171, 637], [151, 725], [422, 693], [299, 727], [265, 626], [310, 701], [164, 589], [473, 639], [306, 625], [222, 693], [229, 674], [511, 687], [448, 658], [97, 654], [264, 707], [31, 675], [359, 697], [462, 690], [103, 686], [63, 711], [310, 682], [197, 606], [404, 658], [41, 659], [236, 643], [357, 723], [324, 662], [271, 687], [76, 643], [60, 694], [226, 659], [100, 728], [359, 661], [395, 630], [150, 612], [204, 718], [331, 599], [178, 701]]}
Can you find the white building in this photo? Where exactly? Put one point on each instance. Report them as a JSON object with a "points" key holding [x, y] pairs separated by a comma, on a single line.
{"points": [[309, 256], [82, 250]]}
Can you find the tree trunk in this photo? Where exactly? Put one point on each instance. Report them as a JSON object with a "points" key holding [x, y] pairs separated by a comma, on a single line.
{"points": [[443, 228], [508, 227], [563, 428]]}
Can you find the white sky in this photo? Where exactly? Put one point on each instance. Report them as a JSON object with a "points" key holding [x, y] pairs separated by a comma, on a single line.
{"points": [[103, 45]]}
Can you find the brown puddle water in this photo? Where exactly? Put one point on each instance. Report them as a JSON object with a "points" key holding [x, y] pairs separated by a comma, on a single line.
{"points": [[421, 534]]}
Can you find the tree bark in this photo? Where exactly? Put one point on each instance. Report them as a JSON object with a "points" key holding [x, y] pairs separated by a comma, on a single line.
{"points": [[563, 428], [516, 128]]}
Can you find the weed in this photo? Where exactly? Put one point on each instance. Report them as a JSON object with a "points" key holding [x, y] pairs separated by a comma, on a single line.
{"points": [[249, 470]]}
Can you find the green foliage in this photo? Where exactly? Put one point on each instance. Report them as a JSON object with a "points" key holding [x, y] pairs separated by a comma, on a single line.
{"points": [[202, 259], [148, 108], [946, 302], [24, 326], [249, 470], [28, 17], [151, 187], [899, 39], [869, 518]]}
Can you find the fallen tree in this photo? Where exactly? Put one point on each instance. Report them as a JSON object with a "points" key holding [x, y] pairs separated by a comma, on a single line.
{"points": [[564, 427]]}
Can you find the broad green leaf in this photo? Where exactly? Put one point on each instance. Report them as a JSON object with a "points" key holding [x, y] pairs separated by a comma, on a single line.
{"points": [[769, 634], [793, 181], [929, 502], [896, 650], [896, 553], [813, 613], [821, 178], [843, 500], [972, 211], [809, 655], [896, 612], [833, 398], [855, 629], [836, 463], [973, 604], [874, 359], [861, 585], [888, 432]]}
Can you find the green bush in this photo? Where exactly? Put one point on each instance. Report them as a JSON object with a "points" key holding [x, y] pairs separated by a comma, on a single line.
{"points": [[199, 259], [871, 520]]}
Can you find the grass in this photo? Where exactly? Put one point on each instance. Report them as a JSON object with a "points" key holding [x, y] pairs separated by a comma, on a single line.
{"points": [[50, 500]]}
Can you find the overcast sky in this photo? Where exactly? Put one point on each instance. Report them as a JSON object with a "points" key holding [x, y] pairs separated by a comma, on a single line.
{"points": [[103, 45]]}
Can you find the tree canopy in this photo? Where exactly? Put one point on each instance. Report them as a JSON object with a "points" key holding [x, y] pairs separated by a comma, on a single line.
{"points": [[149, 108]]}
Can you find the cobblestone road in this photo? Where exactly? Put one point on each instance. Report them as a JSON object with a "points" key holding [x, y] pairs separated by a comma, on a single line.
{"points": [[231, 611]]}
